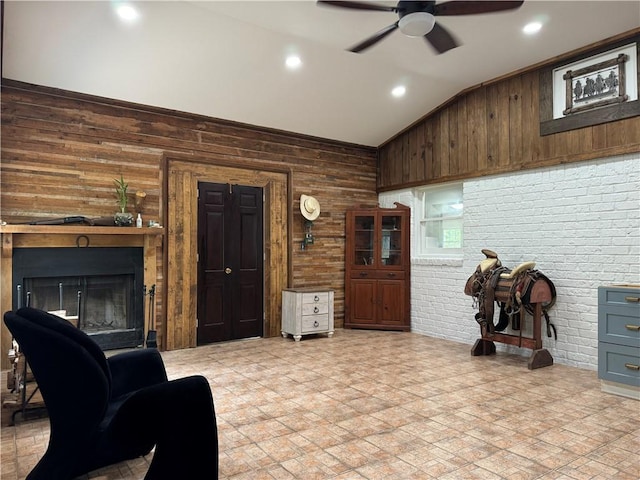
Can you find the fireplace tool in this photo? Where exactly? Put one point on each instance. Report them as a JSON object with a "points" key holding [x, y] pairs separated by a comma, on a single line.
{"points": [[151, 332]]}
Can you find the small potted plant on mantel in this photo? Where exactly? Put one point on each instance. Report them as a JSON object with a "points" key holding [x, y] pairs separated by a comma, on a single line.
{"points": [[122, 218]]}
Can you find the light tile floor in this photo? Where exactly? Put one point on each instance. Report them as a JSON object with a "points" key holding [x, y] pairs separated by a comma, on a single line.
{"points": [[389, 405]]}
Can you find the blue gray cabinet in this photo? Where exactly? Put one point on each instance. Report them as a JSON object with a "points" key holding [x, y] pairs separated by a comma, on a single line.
{"points": [[619, 336]]}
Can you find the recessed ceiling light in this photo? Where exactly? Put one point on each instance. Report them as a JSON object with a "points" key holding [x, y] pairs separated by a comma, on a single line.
{"points": [[531, 28], [127, 12], [293, 62], [399, 91]]}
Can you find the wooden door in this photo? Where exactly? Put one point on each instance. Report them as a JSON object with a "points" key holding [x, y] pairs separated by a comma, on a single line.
{"points": [[391, 296], [230, 262], [362, 308]]}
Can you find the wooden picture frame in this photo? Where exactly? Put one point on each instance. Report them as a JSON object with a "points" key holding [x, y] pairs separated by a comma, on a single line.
{"points": [[597, 87]]}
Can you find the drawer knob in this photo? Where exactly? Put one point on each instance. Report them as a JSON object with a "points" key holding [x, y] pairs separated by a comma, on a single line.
{"points": [[316, 298], [631, 366], [363, 274], [391, 275], [633, 328], [632, 299], [316, 310], [315, 323]]}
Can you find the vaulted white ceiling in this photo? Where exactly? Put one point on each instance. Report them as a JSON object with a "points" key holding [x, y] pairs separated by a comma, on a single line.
{"points": [[226, 59]]}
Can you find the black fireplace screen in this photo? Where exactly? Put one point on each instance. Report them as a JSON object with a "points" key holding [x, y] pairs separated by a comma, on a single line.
{"points": [[98, 289]]}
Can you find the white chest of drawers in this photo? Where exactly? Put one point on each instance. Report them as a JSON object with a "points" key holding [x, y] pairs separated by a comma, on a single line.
{"points": [[306, 311]]}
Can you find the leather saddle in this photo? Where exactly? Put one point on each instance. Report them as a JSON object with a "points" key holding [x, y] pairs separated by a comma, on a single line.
{"points": [[483, 270], [491, 282]]}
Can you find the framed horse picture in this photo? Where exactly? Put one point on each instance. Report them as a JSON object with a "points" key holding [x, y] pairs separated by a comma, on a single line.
{"points": [[594, 88]]}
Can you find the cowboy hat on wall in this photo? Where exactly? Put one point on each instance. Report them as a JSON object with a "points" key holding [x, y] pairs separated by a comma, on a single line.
{"points": [[309, 207]]}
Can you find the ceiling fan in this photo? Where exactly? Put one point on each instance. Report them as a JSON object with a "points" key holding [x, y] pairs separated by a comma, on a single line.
{"points": [[417, 19]]}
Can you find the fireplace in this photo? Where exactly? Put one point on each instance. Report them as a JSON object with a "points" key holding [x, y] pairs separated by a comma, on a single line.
{"points": [[100, 289]]}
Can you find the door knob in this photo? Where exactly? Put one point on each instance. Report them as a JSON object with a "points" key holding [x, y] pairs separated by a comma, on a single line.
{"points": [[227, 270]]}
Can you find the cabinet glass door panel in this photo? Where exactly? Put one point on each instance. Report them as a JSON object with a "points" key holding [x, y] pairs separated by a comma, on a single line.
{"points": [[391, 240], [363, 245]]}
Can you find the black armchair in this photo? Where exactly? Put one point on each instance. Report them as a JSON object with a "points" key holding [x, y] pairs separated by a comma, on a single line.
{"points": [[107, 410]]}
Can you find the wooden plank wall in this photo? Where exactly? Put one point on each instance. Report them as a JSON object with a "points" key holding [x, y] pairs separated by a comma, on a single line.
{"points": [[494, 128], [61, 152]]}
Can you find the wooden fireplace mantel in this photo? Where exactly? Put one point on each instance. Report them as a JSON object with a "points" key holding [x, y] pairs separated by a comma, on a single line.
{"points": [[79, 229], [82, 236]]}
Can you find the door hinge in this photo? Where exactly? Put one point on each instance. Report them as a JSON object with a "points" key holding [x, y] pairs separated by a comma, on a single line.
{"points": [[197, 322], [197, 193]]}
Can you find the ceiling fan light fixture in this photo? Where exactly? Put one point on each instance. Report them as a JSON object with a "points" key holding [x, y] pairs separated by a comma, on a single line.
{"points": [[417, 24]]}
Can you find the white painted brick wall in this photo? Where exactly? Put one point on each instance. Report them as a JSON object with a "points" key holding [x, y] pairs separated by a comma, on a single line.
{"points": [[580, 223]]}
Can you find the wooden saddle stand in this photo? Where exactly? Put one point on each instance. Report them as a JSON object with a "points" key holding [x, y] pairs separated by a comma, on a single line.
{"points": [[518, 292]]}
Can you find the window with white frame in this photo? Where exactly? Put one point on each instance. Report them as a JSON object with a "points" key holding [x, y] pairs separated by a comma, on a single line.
{"points": [[440, 220]]}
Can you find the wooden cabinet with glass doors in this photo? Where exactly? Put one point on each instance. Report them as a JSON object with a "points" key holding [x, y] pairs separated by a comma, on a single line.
{"points": [[377, 269]]}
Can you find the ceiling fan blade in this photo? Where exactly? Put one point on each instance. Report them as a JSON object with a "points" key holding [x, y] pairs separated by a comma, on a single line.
{"points": [[470, 7], [358, 6], [440, 39], [373, 39]]}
